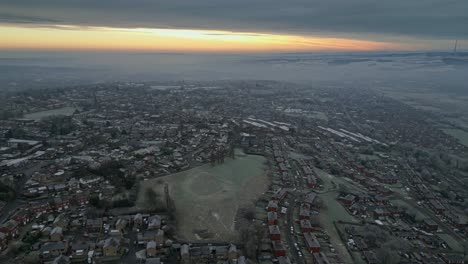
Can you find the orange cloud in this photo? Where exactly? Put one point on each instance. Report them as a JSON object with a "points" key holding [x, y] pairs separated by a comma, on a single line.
{"points": [[68, 37]]}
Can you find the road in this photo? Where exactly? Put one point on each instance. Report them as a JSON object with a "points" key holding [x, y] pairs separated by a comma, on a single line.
{"points": [[291, 239]]}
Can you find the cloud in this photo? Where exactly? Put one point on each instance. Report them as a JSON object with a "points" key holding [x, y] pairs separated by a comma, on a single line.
{"points": [[431, 19], [19, 19]]}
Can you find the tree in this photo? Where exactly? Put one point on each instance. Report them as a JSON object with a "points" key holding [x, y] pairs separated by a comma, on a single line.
{"points": [[94, 200], [387, 256], [251, 238], [151, 197]]}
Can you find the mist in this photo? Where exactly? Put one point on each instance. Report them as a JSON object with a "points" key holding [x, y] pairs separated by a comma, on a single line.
{"points": [[28, 69]]}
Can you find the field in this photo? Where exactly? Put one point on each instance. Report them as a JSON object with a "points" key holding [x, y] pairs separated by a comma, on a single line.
{"points": [[207, 198], [459, 134], [334, 211], [42, 114]]}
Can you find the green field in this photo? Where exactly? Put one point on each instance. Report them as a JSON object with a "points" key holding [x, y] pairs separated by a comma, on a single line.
{"points": [[207, 197], [459, 134], [42, 114], [334, 211]]}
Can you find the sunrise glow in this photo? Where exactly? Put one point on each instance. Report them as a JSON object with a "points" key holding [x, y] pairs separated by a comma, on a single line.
{"points": [[69, 37]]}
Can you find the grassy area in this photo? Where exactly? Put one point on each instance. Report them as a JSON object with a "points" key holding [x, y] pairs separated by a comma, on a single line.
{"points": [[459, 134], [42, 114], [207, 197], [334, 211]]}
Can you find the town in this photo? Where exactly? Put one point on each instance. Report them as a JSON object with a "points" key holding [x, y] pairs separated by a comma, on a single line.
{"points": [[227, 172]]}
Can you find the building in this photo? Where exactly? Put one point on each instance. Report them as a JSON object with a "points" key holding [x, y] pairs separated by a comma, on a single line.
{"points": [[312, 243], [185, 254], [272, 218], [272, 206], [151, 249], [278, 249], [280, 194], [10, 229], [274, 232], [154, 222], [436, 206], [121, 224], [306, 226], [56, 234], [111, 247], [430, 225], [21, 216], [304, 211], [53, 249]]}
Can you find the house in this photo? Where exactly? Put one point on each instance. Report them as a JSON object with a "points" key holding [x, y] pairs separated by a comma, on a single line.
{"points": [[278, 249], [156, 235], [40, 207], [61, 220], [79, 250], [304, 211], [93, 225], [151, 249], [111, 247], [53, 249], [306, 226], [272, 206], [121, 224], [430, 225], [312, 243], [56, 234], [10, 229], [138, 220], [272, 218], [390, 178], [380, 212], [310, 198], [381, 200], [60, 203], [311, 181], [185, 254], [274, 232], [232, 252], [347, 200], [437, 206], [457, 220], [280, 194], [154, 222], [21, 216]]}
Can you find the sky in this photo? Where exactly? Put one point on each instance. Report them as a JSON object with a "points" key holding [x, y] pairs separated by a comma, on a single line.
{"points": [[233, 26]]}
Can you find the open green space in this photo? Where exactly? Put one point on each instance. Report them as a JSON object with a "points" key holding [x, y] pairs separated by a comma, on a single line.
{"points": [[42, 114], [208, 197], [459, 134]]}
